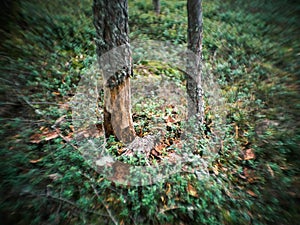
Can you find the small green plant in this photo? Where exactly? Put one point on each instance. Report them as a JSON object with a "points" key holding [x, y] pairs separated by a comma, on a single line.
{"points": [[252, 174]]}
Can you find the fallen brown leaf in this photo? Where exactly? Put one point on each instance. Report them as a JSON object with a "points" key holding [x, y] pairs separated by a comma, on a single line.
{"points": [[250, 175], [215, 169], [168, 188], [192, 191], [249, 154], [159, 148], [121, 150], [236, 131], [56, 93], [155, 153], [33, 161], [251, 193], [270, 170], [50, 136], [170, 120], [46, 135]]}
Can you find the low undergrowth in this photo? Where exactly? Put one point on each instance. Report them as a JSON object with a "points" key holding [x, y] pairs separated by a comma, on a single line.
{"points": [[252, 51]]}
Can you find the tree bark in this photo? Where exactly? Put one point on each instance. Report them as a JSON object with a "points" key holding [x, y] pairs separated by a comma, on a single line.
{"points": [[156, 6], [111, 23], [193, 79]]}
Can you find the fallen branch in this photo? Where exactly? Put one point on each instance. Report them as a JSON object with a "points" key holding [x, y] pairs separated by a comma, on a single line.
{"points": [[96, 193]]}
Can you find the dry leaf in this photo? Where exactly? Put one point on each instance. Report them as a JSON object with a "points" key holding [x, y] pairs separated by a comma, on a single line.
{"points": [[249, 154], [54, 176], [251, 193], [33, 161], [69, 137], [72, 128], [46, 135], [215, 169], [35, 138], [110, 199], [170, 120], [155, 153], [56, 93], [270, 170], [50, 136], [168, 188], [192, 191], [121, 150], [250, 175], [159, 148], [236, 131], [43, 128]]}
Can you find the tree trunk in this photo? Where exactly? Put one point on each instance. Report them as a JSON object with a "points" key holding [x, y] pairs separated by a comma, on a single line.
{"points": [[156, 6], [193, 79], [111, 23]]}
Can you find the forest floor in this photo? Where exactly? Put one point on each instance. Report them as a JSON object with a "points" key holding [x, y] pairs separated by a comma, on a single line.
{"points": [[242, 167]]}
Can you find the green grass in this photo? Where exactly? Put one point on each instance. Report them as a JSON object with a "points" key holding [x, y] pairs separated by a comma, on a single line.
{"points": [[252, 50]]}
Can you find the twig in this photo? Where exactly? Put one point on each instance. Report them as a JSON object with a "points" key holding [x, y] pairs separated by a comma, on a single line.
{"points": [[64, 138], [10, 82], [106, 208]]}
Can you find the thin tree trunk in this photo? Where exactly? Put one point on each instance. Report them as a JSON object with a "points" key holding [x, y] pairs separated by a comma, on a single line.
{"points": [[194, 82], [156, 6], [111, 23]]}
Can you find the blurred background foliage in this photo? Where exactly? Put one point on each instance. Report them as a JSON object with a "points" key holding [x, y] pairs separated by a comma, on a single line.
{"points": [[252, 49]]}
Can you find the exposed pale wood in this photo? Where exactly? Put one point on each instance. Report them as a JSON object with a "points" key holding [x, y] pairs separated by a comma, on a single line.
{"points": [[117, 112], [111, 23]]}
